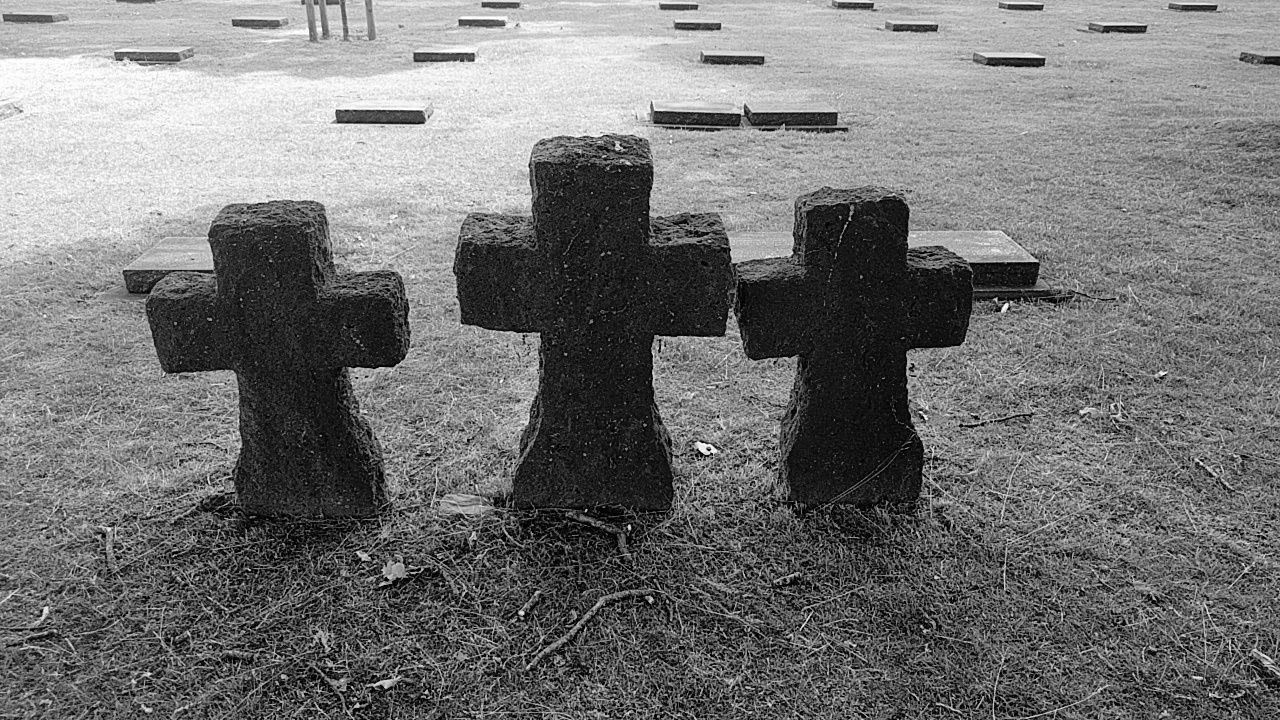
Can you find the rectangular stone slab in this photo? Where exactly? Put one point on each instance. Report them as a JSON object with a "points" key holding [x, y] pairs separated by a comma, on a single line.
{"points": [[677, 6], [768, 114], [696, 25], [1018, 5], [500, 4], [155, 55], [1193, 6], [33, 17], [997, 260], [445, 53], [1271, 57], [172, 254], [732, 57], [910, 26], [694, 114], [326, 2], [259, 22], [853, 5], [1117, 27], [483, 21], [1009, 59], [383, 112]]}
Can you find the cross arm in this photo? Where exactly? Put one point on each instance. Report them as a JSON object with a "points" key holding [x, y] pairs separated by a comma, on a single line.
{"points": [[939, 298], [364, 320], [690, 275], [186, 324], [500, 276], [775, 308]]}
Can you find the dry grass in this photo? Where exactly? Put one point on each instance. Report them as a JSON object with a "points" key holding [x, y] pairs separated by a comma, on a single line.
{"points": [[1115, 563]]}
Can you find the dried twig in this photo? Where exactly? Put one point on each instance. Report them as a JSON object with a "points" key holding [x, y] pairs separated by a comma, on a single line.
{"points": [[109, 534], [29, 638], [980, 423], [524, 609], [788, 579], [334, 685], [1215, 475], [586, 618], [1269, 666], [44, 615], [620, 534]]}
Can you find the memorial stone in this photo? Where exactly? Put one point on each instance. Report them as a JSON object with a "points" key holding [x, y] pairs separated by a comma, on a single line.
{"points": [[732, 57], [1009, 59], [696, 25], [910, 26], [259, 23], [775, 114], [702, 115], [382, 112], [445, 53], [853, 5], [170, 255], [850, 302], [483, 21], [1018, 5], [1193, 6], [32, 17], [277, 314], [500, 4], [155, 55], [1271, 57], [677, 6], [1117, 27], [598, 278]]}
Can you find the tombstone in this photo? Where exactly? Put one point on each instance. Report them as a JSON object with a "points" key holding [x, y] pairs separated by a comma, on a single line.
{"points": [[1117, 27], [1009, 59], [278, 315], [1193, 6], [850, 302], [677, 6], [32, 17], [1271, 57], [696, 25], [445, 53], [500, 4], [598, 278], [155, 55], [853, 5], [326, 2], [910, 26], [383, 112], [811, 117], [694, 115], [1018, 5], [259, 23], [483, 21], [170, 255], [732, 57]]}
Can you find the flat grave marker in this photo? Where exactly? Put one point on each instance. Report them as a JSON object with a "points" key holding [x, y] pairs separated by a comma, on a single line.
{"points": [[170, 255], [485, 21], [910, 26], [33, 17], [445, 53], [1261, 57], [732, 57], [1009, 59], [1020, 5], [326, 2], [696, 25], [500, 4], [259, 23], [695, 114], [853, 5], [157, 55], [1193, 6], [1117, 27], [677, 6], [814, 117], [136, 2], [383, 112]]}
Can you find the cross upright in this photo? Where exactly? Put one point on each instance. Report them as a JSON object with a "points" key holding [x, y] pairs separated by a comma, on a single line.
{"points": [[277, 314], [598, 278], [850, 301]]}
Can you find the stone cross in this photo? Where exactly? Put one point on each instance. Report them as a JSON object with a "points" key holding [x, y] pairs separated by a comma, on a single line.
{"points": [[277, 314], [598, 278], [850, 301]]}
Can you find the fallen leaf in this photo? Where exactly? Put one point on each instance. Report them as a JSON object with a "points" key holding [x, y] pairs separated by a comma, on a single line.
{"points": [[364, 556], [394, 571], [706, 449], [1084, 412], [386, 684]]}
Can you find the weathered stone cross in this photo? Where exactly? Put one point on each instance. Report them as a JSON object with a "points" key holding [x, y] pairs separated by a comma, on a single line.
{"points": [[598, 278], [276, 313], [850, 301]]}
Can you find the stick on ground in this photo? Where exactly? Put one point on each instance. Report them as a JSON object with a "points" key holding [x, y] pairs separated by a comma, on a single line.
{"points": [[980, 423], [582, 622]]}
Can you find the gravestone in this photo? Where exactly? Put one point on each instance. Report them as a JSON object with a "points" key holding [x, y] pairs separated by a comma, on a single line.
{"points": [[259, 23], [1193, 6], [278, 315], [170, 255], [1271, 57], [853, 5], [792, 115], [850, 302], [326, 2], [33, 17], [383, 112], [1020, 5], [696, 25], [1009, 59], [483, 21], [598, 278], [1117, 27], [677, 6], [155, 55], [695, 114], [732, 57], [500, 4], [910, 26], [136, 1], [445, 53]]}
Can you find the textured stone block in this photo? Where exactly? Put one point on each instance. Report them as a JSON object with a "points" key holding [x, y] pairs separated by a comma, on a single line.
{"points": [[910, 26], [677, 6], [170, 255], [696, 25], [1018, 5], [1193, 6], [694, 114], [1271, 57], [853, 5], [773, 114], [445, 53], [155, 55], [33, 17], [487, 21], [382, 112], [1117, 27], [732, 57], [1009, 59], [259, 23]]}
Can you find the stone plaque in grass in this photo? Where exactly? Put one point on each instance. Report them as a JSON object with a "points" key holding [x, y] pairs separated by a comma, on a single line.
{"points": [[383, 112], [486, 21], [849, 302], [1117, 27], [694, 114], [853, 5], [1019, 5], [136, 2], [774, 114], [170, 255], [277, 314], [326, 2], [597, 277], [697, 25], [445, 53], [155, 55], [259, 23], [677, 6], [1261, 57], [500, 4], [1009, 59], [910, 26], [1193, 6], [33, 17], [732, 57]]}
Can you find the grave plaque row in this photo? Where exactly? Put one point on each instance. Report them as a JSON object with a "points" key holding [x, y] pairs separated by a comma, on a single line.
{"points": [[763, 115]]}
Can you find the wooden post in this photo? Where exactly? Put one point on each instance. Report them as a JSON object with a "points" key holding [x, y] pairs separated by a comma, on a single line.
{"points": [[324, 19], [311, 20], [342, 9], [368, 20]]}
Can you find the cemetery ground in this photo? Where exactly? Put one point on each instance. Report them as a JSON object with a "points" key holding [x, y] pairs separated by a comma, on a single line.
{"points": [[1098, 532]]}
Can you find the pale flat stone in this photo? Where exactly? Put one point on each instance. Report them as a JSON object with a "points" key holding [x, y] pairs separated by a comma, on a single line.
{"points": [[383, 112], [774, 114], [694, 114], [1117, 27], [172, 254], [156, 55], [1009, 59]]}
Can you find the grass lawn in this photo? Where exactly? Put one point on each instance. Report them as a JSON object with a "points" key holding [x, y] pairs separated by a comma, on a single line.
{"points": [[1112, 556]]}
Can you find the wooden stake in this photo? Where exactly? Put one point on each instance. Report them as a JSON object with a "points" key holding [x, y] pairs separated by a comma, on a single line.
{"points": [[324, 18], [311, 20], [371, 31], [342, 9]]}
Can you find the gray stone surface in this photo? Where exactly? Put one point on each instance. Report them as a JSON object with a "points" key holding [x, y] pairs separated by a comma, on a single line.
{"points": [[850, 302], [1117, 27], [732, 57], [1009, 59], [156, 55], [1261, 57], [278, 315], [910, 26], [598, 278], [696, 25], [260, 23], [1193, 6], [445, 53], [33, 17], [694, 114], [383, 112], [486, 21], [170, 255], [772, 114], [1020, 5]]}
